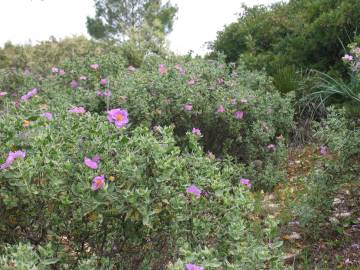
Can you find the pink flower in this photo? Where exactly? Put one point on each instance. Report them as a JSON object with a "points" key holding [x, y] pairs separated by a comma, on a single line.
{"points": [[94, 66], [179, 68], [103, 81], [190, 266], [245, 182], [220, 81], [74, 84], [104, 94], [221, 109], [90, 163], [96, 158], [54, 70], [194, 190], [78, 110], [3, 94], [29, 94], [61, 72], [239, 114], [119, 117], [107, 93], [162, 69], [188, 107], [98, 182], [11, 158], [131, 69], [323, 150], [82, 78], [191, 82], [47, 115], [271, 146], [196, 131], [347, 58]]}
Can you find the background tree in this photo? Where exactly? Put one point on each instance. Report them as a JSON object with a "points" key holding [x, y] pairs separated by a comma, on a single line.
{"points": [[118, 19], [300, 34]]}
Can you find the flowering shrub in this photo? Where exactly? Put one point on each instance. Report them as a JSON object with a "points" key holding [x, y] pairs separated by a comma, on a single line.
{"points": [[237, 112], [137, 202], [154, 172]]}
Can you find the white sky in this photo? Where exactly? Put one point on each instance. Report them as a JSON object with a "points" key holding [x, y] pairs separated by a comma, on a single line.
{"points": [[22, 21]]}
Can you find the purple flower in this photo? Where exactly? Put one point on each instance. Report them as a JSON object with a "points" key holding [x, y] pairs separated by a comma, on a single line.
{"points": [[188, 107], [94, 66], [221, 109], [245, 182], [190, 266], [131, 69], [196, 131], [355, 246], [54, 70], [82, 78], [29, 94], [98, 182], [162, 69], [11, 158], [323, 150], [191, 82], [90, 163], [61, 72], [47, 115], [103, 82], [239, 114], [347, 58], [3, 94], [78, 110], [194, 190], [271, 146], [118, 116], [74, 84]]}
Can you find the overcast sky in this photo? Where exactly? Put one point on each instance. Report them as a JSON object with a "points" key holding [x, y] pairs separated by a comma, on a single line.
{"points": [[35, 20]]}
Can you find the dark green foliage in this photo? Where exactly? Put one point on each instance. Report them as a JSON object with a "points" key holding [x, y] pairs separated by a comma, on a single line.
{"points": [[303, 33]]}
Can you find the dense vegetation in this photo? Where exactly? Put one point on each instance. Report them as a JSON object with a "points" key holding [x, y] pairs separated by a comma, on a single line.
{"points": [[292, 35], [120, 156]]}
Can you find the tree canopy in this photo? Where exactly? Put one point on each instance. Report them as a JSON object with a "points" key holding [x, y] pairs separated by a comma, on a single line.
{"points": [[117, 20], [300, 33]]}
